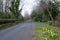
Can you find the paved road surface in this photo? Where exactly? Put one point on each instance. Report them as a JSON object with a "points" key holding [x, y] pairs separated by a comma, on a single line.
{"points": [[22, 31]]}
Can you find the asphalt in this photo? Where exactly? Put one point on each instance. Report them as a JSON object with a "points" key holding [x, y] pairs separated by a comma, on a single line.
{"points": [[21, 31]]}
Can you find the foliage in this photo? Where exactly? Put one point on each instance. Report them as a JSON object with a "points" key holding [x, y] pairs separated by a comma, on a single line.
{"points": [[8, 24], [15, 8], [36, 16], [46, 32], [53, 9], [33, 14], [4, 15], [50, 10]]}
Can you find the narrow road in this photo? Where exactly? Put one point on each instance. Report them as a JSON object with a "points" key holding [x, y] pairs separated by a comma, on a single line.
{"points": [[22, 31]]}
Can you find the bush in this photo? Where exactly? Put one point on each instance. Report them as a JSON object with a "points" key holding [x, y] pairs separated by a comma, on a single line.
{"points": [[37, 18]]}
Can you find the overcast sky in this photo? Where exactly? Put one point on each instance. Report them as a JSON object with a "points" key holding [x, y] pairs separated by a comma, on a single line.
{"points": [[29, 5]]}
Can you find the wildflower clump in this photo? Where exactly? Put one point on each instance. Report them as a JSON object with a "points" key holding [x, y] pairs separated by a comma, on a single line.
{"points": [[47, 32]]}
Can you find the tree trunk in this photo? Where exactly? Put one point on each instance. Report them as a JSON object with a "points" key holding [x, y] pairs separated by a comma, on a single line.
{"points": [[50, 14], [52, 20]]}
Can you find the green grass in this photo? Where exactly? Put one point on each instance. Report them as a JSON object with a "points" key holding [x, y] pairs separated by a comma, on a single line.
{"points": [[46, 32]]}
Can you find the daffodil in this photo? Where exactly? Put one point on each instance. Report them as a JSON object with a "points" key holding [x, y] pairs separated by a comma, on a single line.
{"points": [[52, 34], [48, 31], [59, 37], [46, 38]]}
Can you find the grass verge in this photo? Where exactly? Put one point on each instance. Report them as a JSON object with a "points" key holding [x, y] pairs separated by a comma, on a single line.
{"points": [[46, 32], [6, 25]]}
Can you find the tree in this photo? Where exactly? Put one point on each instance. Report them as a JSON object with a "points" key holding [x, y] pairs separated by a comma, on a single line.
{"points": [[1, 5], [36, 16], [33, 14], [15, 8], [50, 9]]}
